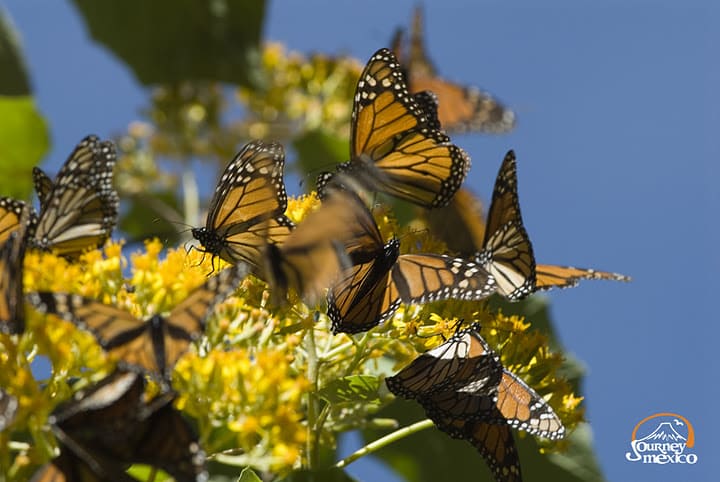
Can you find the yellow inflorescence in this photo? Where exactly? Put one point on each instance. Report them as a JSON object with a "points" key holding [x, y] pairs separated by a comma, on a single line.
{"points": [[249, 381]]}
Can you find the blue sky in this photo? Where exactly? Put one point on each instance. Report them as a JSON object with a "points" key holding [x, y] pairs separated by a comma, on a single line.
{"points": [[618, 109]]}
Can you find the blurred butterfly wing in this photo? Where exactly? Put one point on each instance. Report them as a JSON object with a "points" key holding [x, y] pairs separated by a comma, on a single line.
{"points": [[421, 278], [247, 209], [507, 251], [187, 321], [525, 410], [168, 441], [461, 108], [43, 185], [393, 143], [81, 209], [464, 361], [460, 224], [124, 337], [68, 467], [549, 276]]}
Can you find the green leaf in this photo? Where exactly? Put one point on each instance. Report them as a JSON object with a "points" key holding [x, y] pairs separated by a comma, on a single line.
{"points": [[23, 142], [248, 475], [14, 79], [352, 389], [142, 220], [319, 151], [169, 41]]}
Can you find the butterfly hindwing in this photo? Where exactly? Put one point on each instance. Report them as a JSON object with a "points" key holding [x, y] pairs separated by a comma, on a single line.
{"points": [[12, 255]]}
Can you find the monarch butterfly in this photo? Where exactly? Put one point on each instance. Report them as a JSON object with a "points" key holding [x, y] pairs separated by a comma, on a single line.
{"points": [[314, 254], [86, 467], [465, 362], [80, 208], [111, 425], [369, 292], [246, 211], [152, 345], [494, 442], [462, 108], [459, 224], [507, 252], [395, 145], [12, 255]]}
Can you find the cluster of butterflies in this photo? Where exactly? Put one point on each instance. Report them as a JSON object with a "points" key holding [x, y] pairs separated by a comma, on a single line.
{"points": [[397, 147]]}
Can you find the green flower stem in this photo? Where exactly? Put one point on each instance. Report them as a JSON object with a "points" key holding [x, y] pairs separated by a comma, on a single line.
{"points": [[359, 354], [312, 442], [383, 441]]}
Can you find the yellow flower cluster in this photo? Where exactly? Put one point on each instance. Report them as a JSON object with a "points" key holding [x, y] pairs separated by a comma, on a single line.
{"points": [[259, 382], [313, 92]]}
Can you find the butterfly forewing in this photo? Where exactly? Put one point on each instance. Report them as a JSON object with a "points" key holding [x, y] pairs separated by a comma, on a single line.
{"points": [[80, 210], [12, 255], [550, 276], [247, 209], [496, 445], [43, 185]]}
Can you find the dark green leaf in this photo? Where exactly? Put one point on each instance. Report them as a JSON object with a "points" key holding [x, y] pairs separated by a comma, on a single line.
{"points": [[319, 151], [324, 475], [14, 79], [141, 221], [355, 388], [169, 41]]}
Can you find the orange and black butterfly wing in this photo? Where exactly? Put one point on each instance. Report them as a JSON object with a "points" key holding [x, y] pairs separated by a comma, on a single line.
{"points": [[422, 278], [495, 442], [394, 148], [524, 409], [11, 213], [507, 252], [463, 361], [247, 209], [43, 185], [121, 335], [550, 276], [81, 209], [496, 445], [12, 255], [462, 108]]}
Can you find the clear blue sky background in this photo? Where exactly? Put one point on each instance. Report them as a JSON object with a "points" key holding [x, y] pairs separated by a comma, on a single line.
{"points": [[617, 143]]}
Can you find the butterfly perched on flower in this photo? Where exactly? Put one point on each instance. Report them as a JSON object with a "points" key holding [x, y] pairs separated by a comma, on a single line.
{"points": [[369, 292], [507, 251], [461, 108], [247, 210], [152, 345], [79, 209], [396, 146]]}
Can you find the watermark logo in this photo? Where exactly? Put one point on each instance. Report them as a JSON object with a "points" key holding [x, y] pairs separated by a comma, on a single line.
{"points": [[663, 438]]}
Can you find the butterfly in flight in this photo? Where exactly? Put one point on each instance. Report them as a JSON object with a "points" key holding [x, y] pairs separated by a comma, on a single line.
{"points": [[12, 255], [462, 109], [79, 209], [313, 256], [369, 292], [111, 425], [153, 345], [247, 209], [507, 253], [396, 146]]}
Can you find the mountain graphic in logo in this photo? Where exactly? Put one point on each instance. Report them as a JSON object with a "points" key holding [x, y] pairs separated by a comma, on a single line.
{"points": [[664, 433]]}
